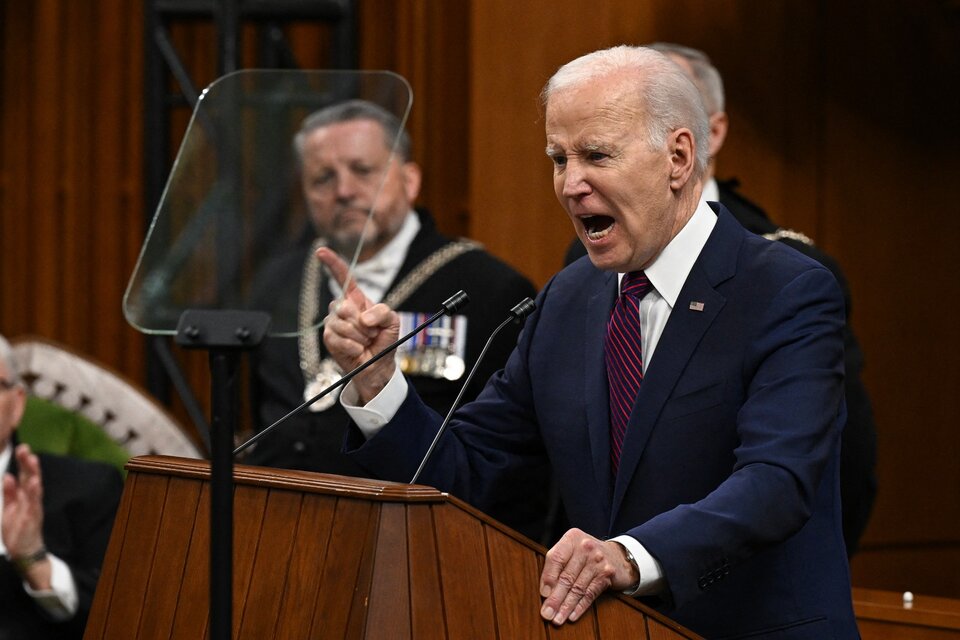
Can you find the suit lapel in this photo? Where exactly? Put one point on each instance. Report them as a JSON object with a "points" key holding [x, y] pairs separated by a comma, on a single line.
{"points": [[595, 382], [684, 331]]}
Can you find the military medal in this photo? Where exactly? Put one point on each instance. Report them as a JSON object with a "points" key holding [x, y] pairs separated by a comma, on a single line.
{"points": [[438, 353], [453, 367]]}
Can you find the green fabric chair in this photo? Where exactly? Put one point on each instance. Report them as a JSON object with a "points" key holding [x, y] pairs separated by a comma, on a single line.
{"points": [[49, 428]]}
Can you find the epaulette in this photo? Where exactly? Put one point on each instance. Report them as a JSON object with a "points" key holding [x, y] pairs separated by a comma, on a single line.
{"points": [[789, 234]]}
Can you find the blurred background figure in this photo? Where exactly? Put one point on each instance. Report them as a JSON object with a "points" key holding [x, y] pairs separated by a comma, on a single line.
{"points": [[57, 514]]}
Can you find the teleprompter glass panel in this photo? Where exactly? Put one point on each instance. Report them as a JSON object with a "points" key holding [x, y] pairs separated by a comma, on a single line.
{"points": [[233, 217]]}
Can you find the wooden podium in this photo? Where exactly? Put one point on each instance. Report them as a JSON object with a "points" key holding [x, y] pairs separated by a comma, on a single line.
{"points": [[321, 556]]}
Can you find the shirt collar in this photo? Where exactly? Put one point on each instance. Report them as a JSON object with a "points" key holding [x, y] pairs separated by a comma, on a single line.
{"points": [[670, 269], [394, 252], [5, 456], [711, 191], [376, 274]]}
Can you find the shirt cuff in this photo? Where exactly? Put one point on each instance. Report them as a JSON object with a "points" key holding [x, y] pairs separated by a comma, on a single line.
{"points": [[60, 601], [371, 417], [651, 575]]}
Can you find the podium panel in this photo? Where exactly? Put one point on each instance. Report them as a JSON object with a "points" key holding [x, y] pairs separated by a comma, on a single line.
{"points": [[322, 556]]}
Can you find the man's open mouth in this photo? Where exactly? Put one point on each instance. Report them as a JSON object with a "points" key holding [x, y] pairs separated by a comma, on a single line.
{"points": [[597, 227]]}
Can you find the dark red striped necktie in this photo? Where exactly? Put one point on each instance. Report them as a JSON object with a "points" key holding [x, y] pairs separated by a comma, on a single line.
{"points": [[623, 353]]}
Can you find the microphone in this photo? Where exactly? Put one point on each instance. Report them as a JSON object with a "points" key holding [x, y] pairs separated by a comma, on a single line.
{"points": [[517, 315], [449, 306]]}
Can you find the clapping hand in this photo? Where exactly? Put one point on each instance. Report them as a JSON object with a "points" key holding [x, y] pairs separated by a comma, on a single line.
{"points": [[22, 525]]}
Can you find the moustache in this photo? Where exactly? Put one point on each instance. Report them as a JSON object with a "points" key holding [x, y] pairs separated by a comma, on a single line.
{"points": [[341, 211]]}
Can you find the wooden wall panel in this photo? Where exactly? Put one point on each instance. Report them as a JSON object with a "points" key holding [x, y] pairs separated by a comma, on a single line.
{"points": [[513, 209], [16, 295], [427, 43], [70, 206], [890, 203]]}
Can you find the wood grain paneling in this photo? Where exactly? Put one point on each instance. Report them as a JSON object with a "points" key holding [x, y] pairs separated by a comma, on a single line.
{"points": [[392, 582], [363, 591], [71, 204], [884, 614], [516, 617], [177, 510], [462, 554], [428, 44], [267, 585], [426, 610], [309, 550], [890, 147]]}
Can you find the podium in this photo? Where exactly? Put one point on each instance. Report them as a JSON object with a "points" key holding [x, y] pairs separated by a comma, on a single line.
{"points": [[323, 556]]}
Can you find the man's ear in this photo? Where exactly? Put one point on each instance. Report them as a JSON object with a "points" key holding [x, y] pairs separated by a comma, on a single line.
{"points": [[683, 153], [19, 404], [411, 176], [718, 132]]}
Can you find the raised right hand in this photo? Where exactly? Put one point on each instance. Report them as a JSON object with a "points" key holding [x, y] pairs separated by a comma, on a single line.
{"points": [[356, 330]]}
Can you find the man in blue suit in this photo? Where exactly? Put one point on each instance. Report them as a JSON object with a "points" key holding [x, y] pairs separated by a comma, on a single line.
{"points": [[693, 424]]}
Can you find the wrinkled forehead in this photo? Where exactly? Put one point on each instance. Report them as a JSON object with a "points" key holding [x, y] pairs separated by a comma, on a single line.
{"points": [[359, 137], [619, 90], [597, 104]]}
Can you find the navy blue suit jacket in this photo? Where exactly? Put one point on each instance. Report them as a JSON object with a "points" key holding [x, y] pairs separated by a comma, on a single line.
{"points": [[728, 474]]}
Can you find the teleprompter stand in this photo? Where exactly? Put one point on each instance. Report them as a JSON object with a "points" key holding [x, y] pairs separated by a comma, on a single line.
{"points": [[225, 334]]}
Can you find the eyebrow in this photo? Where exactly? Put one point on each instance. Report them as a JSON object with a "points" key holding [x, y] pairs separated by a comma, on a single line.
{"points": [[552, 150]]}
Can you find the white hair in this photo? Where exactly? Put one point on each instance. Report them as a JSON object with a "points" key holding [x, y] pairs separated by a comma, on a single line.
{"points": [[350, 111], [669, 99], [705, 77]]}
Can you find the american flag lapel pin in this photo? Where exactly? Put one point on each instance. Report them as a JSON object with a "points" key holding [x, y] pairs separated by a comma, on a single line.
{"points": [[696, 305]]}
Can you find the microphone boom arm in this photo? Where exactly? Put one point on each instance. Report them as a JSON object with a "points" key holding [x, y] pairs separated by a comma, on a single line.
{"points": [[517, 315]]}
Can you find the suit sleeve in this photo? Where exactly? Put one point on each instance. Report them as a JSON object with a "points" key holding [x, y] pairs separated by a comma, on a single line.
{"points": [[787, 431], [491, 455]]}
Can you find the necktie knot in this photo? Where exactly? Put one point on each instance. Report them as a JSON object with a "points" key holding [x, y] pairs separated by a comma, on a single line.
{"points": [[635, 284]]}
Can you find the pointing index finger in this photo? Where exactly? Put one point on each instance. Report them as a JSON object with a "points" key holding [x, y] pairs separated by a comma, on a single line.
{"points": [[338, 268]]}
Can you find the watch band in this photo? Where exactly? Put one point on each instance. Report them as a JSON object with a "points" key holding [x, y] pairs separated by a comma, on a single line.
{"points": [[22, 563], [631, 591]]}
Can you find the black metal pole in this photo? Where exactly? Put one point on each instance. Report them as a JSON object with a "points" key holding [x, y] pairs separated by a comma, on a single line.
{"points": [[224, 365], [226, 334]]}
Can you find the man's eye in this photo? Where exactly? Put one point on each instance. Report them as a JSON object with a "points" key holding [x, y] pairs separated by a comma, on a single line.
{"points": [[597, 156], [362, 170], [323, 179], [559, 161]]}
